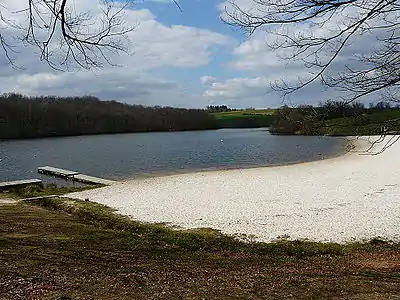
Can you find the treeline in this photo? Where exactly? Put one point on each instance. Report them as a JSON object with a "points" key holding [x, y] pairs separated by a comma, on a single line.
{"points": [[225, 108], [30, 117], [337, 118], [218, 108]]}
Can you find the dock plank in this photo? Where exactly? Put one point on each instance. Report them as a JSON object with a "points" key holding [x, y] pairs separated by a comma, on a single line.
{"points": [[57, 171], [92, 179], [15, 183]]}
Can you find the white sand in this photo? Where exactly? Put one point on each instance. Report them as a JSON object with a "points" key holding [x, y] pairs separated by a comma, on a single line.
{"points": [[347, 198]]}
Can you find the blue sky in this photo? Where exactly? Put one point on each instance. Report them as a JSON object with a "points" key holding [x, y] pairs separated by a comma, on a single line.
{"points": [[197, 14], [185, 59]]}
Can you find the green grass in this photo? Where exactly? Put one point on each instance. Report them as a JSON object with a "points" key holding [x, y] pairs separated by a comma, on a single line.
{"points": [[48, 190], [208, 240], [52, 248], [244, 113], [245, 118], [367, 124]]}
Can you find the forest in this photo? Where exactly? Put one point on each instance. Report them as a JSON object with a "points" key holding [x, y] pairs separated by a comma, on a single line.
{"points": [[47, 116]]}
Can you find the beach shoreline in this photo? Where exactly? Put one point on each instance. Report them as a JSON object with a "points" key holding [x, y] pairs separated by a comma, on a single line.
{"points": [[343, 199], [348, 147]]}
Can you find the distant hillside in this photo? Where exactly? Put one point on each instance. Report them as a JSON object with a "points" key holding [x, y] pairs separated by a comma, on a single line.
{"points": [[245, 118], [31, 117]]}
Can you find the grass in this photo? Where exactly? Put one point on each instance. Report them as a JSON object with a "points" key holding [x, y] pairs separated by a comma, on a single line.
{"points": [[367, 124], [65, 249], [244, 113], [370, 123], [48, 190], [187, 240], [245, 118]]}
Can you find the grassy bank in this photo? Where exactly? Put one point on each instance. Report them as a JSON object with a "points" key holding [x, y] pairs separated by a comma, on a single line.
{"points": [[336, 121], [65, 249], [48, 190], [367, 124]]}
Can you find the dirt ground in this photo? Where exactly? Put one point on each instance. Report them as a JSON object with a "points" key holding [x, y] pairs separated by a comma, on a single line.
{"points": [[48, 254]]}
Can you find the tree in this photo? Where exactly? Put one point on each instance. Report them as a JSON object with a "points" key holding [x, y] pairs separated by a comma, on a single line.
{"points": [[320, 33]]}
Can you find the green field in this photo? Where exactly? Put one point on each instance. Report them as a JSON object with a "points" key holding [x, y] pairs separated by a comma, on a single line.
{"points": [[241, 113], [245, 118]]}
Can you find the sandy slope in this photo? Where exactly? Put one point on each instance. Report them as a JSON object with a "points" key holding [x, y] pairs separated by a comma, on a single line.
{"points": [[352, 197]]}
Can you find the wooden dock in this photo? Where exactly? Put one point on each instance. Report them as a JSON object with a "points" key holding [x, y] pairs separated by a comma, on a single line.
{"points": [[74, 176], [94, 180], [57, 172], [19, 183]]}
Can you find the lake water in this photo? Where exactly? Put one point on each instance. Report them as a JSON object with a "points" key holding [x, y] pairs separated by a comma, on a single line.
{"points": [[125, 156]]}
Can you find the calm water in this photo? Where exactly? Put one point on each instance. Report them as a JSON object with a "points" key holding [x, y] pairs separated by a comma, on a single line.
{"points": [[124, 156]]}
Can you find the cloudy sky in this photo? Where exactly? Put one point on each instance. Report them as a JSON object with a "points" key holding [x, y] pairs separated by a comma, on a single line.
{"points": [[187, 58]]}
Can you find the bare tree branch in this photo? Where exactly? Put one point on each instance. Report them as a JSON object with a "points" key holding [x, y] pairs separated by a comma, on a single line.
{"points": [[66, 37], [318, 33]]}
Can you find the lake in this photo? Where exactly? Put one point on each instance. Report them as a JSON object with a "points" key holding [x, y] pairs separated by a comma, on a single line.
{"points": [[126, 156]]}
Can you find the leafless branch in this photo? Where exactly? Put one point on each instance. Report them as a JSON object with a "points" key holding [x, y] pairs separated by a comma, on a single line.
{"points": [[318, 33], [65, 36]]}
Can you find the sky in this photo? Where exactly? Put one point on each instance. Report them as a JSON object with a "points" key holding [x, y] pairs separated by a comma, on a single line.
{"points": [[187, 58]]}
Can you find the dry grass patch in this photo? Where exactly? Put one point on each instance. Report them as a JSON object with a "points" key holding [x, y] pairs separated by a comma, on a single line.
{"points": [[49, 250]]}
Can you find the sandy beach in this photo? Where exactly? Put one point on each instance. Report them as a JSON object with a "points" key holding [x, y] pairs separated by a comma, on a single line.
{"points": [[353, 197]]}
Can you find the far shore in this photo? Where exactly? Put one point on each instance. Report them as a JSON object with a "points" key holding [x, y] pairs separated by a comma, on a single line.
{"points": [[351, 197]]}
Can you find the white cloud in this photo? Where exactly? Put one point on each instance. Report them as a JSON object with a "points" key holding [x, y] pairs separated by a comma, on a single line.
{"points": [[238, 88], [242, 92], [254, 54], [180, 46], [110, 84], [239, 92], [229, 8], [207, 80]]}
